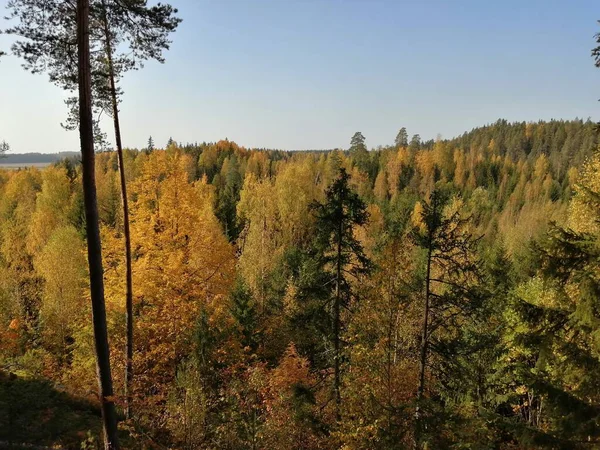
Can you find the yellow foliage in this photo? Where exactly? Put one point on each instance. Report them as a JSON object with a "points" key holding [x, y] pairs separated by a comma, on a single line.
{"points": [[258, 164], [65, 279], [381, 186], [283, 428], [416, 218], [16, 209], [52, 207], [296, 187], [582, 217], [182, 264], [260, 241], [372, 231]]}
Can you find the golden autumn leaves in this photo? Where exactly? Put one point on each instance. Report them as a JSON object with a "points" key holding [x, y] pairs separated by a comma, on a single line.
{"points": [[182, 263]]}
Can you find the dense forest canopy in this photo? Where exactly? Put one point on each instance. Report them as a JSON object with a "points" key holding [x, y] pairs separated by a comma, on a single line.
{"points": [[437, 294], [440, 294]]}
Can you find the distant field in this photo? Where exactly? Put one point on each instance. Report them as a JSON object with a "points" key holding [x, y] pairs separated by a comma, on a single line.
{"points": [[13, 166]]}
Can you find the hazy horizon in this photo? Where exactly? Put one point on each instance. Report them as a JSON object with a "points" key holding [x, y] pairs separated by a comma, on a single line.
{"points": [[161, 146]]}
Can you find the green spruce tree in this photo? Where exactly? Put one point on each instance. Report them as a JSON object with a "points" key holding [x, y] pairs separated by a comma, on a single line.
{"points": [[343, 258]]}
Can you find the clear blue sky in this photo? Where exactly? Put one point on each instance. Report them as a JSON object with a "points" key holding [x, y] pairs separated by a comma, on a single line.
{"points": [[298, 74]]}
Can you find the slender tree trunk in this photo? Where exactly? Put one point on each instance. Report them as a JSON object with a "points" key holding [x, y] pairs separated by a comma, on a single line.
{"points": [[86, 136], [336, 319], [389, 353], [124, 202], [424, 344]]}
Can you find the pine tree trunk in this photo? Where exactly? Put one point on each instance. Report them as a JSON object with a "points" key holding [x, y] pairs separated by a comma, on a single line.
{"points": [[86, 136], [424, 344], [126, 232]]}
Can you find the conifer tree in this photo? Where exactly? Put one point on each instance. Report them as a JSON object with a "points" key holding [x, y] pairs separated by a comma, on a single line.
{"points": [[596, 50], [357, 143], [92, 228], [359, 152], [553, 332], [244, 312], [150, 145], [415, 142], [46, 32], [401, 138], [343, 257], [450, 290]]}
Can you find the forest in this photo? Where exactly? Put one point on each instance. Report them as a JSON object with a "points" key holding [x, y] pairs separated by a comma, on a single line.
{"points": [[279, 297], [440, 294]]}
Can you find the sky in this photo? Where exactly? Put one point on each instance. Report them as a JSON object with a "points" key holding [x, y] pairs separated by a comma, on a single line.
{"points": [[307, 74]]}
